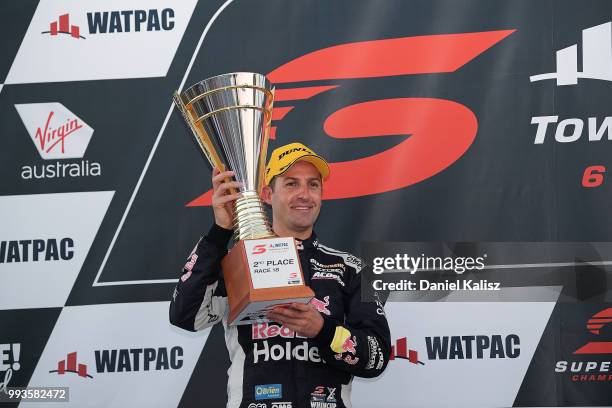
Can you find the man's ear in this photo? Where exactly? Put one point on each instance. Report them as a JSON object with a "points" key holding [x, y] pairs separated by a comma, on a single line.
{"points": [[266, 195]]}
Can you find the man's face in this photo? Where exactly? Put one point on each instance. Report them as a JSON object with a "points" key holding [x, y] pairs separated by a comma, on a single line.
{"points": [[296, 198]]}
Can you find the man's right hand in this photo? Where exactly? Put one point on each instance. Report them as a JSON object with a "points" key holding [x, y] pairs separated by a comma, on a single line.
{"points": [[222, 200]]}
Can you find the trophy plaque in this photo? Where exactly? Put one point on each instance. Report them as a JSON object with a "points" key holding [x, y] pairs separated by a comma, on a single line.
{"points": [[230, 116]]}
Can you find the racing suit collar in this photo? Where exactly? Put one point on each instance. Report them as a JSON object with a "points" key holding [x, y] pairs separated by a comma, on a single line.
{"points": [[308, 243]]}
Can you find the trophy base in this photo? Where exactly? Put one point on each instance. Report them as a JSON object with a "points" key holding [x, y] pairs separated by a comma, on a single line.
{"points": [[244, 270]]}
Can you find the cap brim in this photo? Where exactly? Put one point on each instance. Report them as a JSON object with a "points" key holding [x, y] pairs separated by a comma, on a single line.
{"points": [[320, 164]]}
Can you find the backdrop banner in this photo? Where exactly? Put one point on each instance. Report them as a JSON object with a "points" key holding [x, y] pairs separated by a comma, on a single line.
{"points": [[463, 127]]}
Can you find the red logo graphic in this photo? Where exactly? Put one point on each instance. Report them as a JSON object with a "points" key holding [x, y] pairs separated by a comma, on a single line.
{"points": [[347, 359], [48, 137], [264, 331], [321, 306], [400, 350], [259, 249], [189, 265], [71, 367], [594, 325], [350, 345], [440, 131], [64, 27]]}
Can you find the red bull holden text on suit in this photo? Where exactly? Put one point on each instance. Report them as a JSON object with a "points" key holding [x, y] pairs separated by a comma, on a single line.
{"points": [[306, 355]]}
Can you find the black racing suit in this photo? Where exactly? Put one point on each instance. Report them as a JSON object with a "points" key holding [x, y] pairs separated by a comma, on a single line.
{"points": [[271, 364]]}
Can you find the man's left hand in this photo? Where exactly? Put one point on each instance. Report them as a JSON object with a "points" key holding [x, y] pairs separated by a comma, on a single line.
{"points": [[303, 319]]}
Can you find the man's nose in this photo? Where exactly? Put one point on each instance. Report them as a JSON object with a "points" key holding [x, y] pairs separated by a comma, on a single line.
{"points": [[303, 191]]}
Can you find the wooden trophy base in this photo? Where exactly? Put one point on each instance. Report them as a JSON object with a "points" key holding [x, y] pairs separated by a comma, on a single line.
{"points": [[250, 265]]}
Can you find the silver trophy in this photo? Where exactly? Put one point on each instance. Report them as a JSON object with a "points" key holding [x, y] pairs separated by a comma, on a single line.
{"points": [[230, 116]]}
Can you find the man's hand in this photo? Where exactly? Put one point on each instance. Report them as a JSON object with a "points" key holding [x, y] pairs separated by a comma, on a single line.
{"points": [[222, 201], [303, 319]]}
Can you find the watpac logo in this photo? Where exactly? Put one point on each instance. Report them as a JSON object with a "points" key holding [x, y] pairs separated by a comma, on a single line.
{"points": [[36, 250], [596, 58], [468, 347], [401, 350], [63, 26], [70, 365], [465, 347], [57, 133], [143, 35], [124, 360], [125, 21], [119, 21]]}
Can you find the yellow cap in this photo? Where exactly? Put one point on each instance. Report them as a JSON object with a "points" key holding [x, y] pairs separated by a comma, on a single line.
{"points": [[283, 158]]}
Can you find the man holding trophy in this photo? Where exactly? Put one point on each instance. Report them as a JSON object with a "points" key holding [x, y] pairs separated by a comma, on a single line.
{"points": [[295, 326]]}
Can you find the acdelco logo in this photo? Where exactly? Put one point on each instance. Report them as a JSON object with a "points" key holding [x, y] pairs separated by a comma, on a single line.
{"points": [[428, 121]]}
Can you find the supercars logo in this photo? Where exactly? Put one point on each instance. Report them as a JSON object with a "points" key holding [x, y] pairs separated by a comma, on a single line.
{"points": [[428, 121], [322, 398], [594, 325], [597, 369], [259, 249]]}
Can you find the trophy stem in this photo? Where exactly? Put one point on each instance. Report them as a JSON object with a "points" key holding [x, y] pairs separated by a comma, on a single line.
{"points": [[250, 221]]}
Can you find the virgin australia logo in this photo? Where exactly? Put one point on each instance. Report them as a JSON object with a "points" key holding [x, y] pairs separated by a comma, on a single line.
{"points": [[57, 133]]}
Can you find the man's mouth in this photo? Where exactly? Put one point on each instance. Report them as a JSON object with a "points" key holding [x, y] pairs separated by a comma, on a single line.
{"points": [[302, 207]]}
